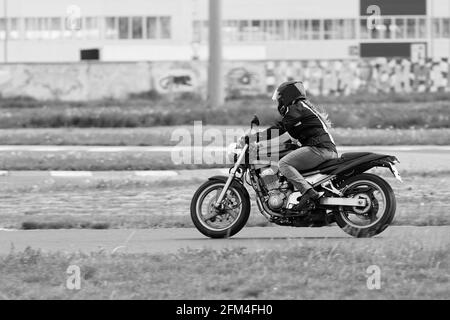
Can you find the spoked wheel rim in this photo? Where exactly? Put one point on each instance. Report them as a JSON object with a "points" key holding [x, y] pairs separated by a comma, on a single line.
{"points": [[227, 217], [373, 212]]}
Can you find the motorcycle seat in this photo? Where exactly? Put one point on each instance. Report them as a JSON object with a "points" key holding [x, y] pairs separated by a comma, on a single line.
{"points": [[346, 157]]}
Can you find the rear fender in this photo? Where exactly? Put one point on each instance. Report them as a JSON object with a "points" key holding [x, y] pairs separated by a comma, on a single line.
{"points": [[389, 162], [366, 163]]}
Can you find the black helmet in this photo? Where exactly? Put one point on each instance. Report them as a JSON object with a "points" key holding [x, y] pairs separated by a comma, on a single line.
{"points": [[287, 93]]}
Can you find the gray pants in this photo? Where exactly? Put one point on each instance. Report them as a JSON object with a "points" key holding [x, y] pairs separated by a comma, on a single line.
{"points": [[303, 159]]}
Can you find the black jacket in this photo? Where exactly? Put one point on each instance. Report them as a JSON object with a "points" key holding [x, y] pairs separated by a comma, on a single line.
{"points": [[303, 124]]}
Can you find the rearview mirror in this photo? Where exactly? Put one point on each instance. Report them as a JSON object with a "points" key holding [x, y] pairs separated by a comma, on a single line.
{"points": [[255, 121]]}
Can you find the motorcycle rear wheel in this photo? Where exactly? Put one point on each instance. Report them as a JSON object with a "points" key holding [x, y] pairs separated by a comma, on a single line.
{"points": [[377, 216]]}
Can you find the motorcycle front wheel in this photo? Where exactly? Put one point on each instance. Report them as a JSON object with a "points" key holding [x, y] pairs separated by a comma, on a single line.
{"points": [[226, 221]]}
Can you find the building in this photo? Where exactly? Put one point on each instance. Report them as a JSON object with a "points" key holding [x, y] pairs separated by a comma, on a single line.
{"points": [[135, 46], [177, 30]]}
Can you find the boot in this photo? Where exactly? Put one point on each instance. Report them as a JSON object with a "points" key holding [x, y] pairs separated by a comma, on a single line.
{"points": [[311, 194], [303, 207]]}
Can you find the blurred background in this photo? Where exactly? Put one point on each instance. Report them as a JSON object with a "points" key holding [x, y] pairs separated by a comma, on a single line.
{"points": [[97, 49]]}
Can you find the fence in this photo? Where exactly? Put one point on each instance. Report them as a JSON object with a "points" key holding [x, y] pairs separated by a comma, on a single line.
{"points": [[93, 81]]}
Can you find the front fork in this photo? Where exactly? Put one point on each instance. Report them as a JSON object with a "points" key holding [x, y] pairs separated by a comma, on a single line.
{"points": [[231, 176]]}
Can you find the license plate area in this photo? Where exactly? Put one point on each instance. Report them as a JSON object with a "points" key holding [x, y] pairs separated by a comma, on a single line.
{"points": [[395, 172]]}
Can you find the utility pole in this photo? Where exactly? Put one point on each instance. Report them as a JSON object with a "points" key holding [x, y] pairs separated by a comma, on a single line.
{"points": [[5, 45], [215, 75]]}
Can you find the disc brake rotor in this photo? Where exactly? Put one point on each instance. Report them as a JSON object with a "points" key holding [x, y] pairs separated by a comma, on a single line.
{"points": [[368, 206], [369, 212], [229, 203]]}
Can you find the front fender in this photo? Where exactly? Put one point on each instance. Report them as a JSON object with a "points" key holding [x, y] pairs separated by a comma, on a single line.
{"points": [[236, 183]]}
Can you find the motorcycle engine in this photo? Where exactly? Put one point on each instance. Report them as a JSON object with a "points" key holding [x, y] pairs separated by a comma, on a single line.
{"points": [[276, 200], [278, 192]]}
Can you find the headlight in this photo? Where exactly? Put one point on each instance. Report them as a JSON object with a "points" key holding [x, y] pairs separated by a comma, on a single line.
{"points": [[231, 151]]}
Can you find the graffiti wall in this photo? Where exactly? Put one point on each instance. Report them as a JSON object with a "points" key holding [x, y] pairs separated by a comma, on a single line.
{"points": [[373, 75], [91, 81]]}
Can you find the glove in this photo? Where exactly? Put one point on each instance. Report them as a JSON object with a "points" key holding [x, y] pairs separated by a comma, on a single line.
{"points": [[253, 147]]}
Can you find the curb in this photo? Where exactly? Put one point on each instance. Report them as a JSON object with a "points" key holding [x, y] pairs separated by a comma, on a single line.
{"points": [[103, 174]]}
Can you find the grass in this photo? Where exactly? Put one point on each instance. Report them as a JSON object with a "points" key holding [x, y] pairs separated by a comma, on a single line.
{"points": [[162, 136], [88, 161], [144, 204], [319, 270], [64, 224], [151, 113], [153, 97], [412, 162]]}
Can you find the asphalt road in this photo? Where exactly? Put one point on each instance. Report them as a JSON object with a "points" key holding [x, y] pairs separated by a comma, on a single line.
{"points": [[172, 240]]}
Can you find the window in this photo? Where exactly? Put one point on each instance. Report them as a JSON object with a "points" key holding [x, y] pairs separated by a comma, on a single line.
{"points": [[436, 28], [384, 29], [136, 27], [230, 30], [400, 28], [124, 30], [381, 29], [279, 30], [2, 29], [256, 30], [166, 27], [329, 29], [421, 28], [339, 29], [364, 31], [315, 29], [55, 28], [446, 28], [411, 28], [151, 28], [91, 28], [33, 28], [388, 23], [293, 29], [73, 29], [303, 29], [111, 31], [396, 27], [349, 28], [14, 28], [266, 29], [243, 32]]}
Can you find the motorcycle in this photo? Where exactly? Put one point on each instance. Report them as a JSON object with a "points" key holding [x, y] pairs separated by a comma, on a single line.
{"points": [[362, 204]]}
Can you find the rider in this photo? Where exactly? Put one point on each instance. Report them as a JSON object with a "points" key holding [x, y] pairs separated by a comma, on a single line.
{"points": [[304, 123]]}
